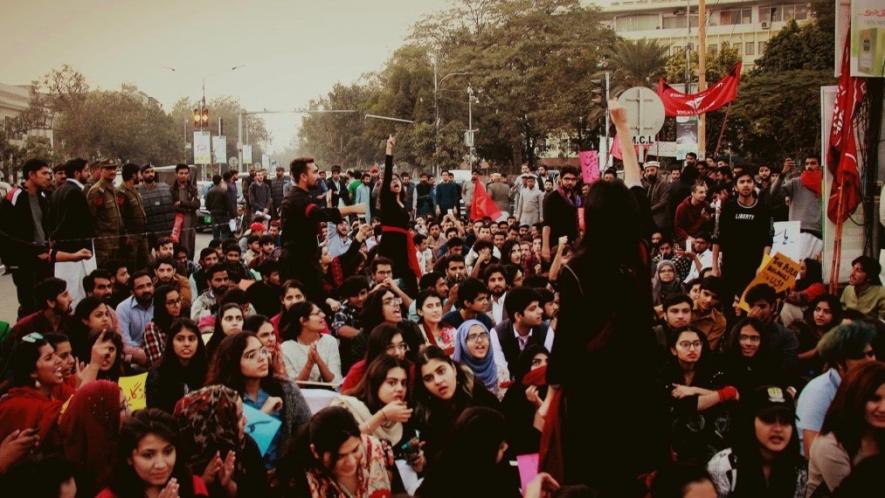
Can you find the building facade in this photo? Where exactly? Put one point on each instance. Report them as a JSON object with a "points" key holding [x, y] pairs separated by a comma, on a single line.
{"points": [[746, 25]]}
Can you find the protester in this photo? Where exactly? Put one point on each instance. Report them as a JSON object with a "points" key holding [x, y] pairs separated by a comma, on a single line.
{"points": [[214, 440], [473, 349], [747, 362], [853, 430], [150, 460], [167, 308], [523, 399], [308, 353], [865, 292], [397, 243], [435, 332], [228, 321], [331, 458], [809, 286], [185, 201], [157, 200], [181, 368], [665, 282], [822, 314]]}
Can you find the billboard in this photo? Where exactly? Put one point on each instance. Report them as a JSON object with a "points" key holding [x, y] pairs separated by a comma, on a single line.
{"points": [[202, 152]]}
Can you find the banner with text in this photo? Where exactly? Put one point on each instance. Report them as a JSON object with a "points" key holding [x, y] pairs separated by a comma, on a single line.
{"points": [[202, 154]]}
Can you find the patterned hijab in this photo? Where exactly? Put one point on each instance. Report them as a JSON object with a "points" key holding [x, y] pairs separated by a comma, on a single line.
{"points": [[483, 368], [91, 426], [209, 422]]}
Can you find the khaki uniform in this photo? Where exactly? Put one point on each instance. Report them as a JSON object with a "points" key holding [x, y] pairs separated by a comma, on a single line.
{"points": [[104, 204], [135, 246]]}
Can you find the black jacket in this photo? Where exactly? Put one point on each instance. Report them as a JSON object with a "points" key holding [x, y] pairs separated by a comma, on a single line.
{"points": [[17, 246], [510, 345], [72, 225]]}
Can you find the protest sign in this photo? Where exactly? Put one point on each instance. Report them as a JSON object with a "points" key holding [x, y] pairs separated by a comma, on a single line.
{"points": [[589, 165], [133, 390], [779, 272]]}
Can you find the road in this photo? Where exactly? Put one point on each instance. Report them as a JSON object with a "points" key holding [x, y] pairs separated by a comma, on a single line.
{"points": [[9, 303]]}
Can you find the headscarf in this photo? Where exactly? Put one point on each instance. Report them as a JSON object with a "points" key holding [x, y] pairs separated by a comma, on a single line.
{"points": [[661, 290], [209, 424], [484, 369], [90, 428]]}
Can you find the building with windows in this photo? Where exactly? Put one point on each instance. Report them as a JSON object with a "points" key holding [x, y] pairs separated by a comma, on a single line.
{"points": [[746, 25]]}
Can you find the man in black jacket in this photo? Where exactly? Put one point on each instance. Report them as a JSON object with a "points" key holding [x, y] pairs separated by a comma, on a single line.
{"points": [[524, 327], [338, 186], [25, 225], [218, 206]]}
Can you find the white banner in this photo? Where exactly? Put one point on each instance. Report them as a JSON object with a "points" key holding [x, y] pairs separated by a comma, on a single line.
{"points": [[202, 153], [219, 149], [247, 154], [265, 161]]}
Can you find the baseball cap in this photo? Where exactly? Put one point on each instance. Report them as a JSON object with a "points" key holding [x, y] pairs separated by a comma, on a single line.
{"points": [[771, 403]]}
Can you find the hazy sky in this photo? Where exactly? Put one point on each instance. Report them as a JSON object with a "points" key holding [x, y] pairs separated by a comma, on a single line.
{"points": [[293, 50]]}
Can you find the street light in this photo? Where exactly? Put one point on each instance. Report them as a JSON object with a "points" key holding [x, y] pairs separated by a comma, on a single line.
{"points": [[436, 85]]}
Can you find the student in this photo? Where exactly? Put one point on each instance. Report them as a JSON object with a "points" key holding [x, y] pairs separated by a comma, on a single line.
{"points": [[332, 458], [242, 365], [781, 343], [523, 399], [167, 308], [809, 286], [434, 331], [228, 321], [90, 427], [182, 368], [474, 455], [263, 329], [397, 243], [853, 430], [764, 459], [695, 398], [149, 461], [865, 292], [524, 327], [822, 314], [843, 348], [383, 305], [346, 325], [677, 316], [214, 440], [293, 293], [308, 353], [473, 349], [665, 282], [445, 390], [707, 317], [747, 361], [383, 339]]}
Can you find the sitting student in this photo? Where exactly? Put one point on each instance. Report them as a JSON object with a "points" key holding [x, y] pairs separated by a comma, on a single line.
{"points": [[167, 308], [332, 458], [842, 348], [445, 390], [383, 339], [747, 361], [473, 349], [677, 316], [308, 353], [764, 459], [695, 398], [474, 454], [707, 317], [430, 313], [865, 292], [263, 329], [90, 426], [822, 314], [523, 399], [218, 449], [236, 270], [665, 282], [681, 480], [182, 368], [150, 460], [346, 324], [228, 322], [809, 286], [550, 304], [780, 342], [853, 430], [473, 300], [242, 365], [265, 294], [199, 279], [525, 326]]}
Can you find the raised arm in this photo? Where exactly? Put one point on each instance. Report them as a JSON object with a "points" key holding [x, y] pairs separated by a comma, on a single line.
{"points": [[632, 173]]}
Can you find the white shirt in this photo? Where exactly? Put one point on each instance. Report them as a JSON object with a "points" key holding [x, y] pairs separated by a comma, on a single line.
{"points": [[497, 313], [295, 358], [706, 259]]}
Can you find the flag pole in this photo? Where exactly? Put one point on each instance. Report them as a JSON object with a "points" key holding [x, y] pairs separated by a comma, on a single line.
{"points": [[722, 130], [702, 74]]}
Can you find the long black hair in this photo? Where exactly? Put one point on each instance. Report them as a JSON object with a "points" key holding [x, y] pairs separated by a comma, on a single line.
{"points": [[224, 367], [171, 368], [376, 373], [151, 421], [218, 333], [162, 319]]}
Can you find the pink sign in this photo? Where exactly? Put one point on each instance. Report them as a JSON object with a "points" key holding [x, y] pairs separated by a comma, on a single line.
{"points": [[589, 165], [528, 467]]}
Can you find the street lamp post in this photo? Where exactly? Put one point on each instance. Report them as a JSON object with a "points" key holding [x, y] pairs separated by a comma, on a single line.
{"points": [[436, 84]]}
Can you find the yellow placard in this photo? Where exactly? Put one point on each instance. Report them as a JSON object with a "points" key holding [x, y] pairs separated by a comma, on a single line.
{"points": [[779, 271], [133, 390]]}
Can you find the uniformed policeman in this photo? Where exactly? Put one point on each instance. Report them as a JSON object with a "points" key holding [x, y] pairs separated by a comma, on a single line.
{"points": [[135, 246], [104, 204]]}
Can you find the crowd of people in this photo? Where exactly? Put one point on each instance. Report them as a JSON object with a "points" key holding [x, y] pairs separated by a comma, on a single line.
{"points": [[362, 335]]}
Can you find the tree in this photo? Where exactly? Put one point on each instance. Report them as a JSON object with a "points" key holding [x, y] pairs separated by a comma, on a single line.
{"points": [[227, 108], [718, 64], [808, 47], [636, 63]]}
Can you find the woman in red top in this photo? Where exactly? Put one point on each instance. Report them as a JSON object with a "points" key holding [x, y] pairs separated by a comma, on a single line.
{"points": [[148, 464], [39, 390]]}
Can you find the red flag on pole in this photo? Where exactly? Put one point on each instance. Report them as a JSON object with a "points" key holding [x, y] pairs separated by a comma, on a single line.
{"points": [[677, 103], [841, 158], [482, 205]]}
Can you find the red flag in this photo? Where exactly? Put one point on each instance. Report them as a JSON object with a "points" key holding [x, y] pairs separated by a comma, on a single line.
{"points": [[842, 155], [482, 205], [723, 92]]}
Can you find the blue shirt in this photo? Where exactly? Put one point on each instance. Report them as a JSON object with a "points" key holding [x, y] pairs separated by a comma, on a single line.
{"points": [[270, 458], [133, 319], [814, 402]]}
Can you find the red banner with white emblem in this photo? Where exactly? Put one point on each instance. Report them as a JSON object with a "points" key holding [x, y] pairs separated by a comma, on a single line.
{"points": [[722, 93]]}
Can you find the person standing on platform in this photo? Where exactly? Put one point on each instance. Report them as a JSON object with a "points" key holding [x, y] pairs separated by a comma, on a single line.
{"points": [[104, 206], [186, 201], [397, 243], [301, 220], [134, 218]]}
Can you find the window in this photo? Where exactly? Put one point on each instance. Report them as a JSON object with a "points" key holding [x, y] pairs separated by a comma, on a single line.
{"points": [[775, 13], [731, 17], [638, 22], [739, 47], [677, 21], [801, 12], [749, 48]]}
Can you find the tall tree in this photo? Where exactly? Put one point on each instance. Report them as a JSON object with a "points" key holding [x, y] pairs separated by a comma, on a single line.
{"points": [[636, 63]]}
